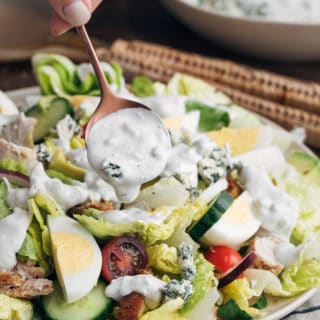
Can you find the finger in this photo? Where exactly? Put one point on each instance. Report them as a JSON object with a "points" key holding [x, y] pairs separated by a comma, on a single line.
{"points": [[58, 23], [58, 26], [75, 12]]}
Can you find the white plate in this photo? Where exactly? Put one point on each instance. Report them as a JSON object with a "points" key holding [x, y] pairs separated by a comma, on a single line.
{"points": [[264, 39], [279, 307]]}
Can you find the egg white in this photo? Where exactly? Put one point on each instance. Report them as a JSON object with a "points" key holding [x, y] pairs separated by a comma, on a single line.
{"points": [[237, 225], [79, 284]]}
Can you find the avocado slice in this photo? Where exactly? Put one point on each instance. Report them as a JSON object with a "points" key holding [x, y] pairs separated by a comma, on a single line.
{"points": [[48, 111], [303, 162], [60, 163]]}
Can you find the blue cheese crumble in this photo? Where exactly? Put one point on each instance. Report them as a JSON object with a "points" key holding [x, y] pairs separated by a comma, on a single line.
{"points": [[112, 170], [185, 257], [216, 165], [43, 153], [178, 289]]}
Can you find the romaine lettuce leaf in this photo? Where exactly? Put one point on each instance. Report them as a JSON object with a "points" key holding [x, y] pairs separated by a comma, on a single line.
{"points": [[210, 118], [15, 309], [164, 258], [202, 283], [58, 75], [197, 89], [168, 311], [240, 292], [304, 273], [149, 233], [307, 196], [142, 86], [4, 207]]}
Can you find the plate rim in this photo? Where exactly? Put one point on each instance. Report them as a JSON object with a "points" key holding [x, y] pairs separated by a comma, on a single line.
{"points": [[212, 12], [294, 302]]}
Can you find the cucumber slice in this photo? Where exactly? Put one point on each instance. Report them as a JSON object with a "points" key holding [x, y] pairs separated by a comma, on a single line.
{"points": [[48, 112], [95, 306], [215, 212]]}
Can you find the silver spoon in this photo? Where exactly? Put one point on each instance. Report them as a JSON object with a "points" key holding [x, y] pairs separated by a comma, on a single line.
{"points": [[109, 102]]}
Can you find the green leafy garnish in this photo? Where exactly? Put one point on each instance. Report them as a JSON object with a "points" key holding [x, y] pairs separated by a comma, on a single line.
{"points": [[261, 302], [142, 87], [210, 118], [230, 310]]}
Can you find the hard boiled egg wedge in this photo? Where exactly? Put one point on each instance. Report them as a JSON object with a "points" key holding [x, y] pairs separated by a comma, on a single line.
{"points": [[76, 255], [237, 225]]}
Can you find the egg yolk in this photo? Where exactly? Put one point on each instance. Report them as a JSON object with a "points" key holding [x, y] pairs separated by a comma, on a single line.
{"points": [[73, 253]]}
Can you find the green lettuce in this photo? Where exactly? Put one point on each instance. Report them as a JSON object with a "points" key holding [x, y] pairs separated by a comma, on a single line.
{"points": [[182, 84], [58, 75], [202, 283], [210, 118], [4, 207], [240, 292], [307, 196], [304, 273], [164, 258], [142, 87], [37, 245], [15, 309], [168, 311], [149, 233]]}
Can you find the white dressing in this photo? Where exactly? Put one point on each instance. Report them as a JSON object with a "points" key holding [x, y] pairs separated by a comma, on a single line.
{"points": [[277, 211], [166, 106], [13, 229], [67, 196], [128, 148], [145, 284], [182, 163], [134, 215]]}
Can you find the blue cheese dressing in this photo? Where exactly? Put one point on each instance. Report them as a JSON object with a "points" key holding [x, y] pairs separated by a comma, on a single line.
{"points": [[128, 148]]}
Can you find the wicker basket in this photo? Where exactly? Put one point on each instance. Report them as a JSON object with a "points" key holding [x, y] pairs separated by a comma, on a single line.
{"points": [[287, 101]]}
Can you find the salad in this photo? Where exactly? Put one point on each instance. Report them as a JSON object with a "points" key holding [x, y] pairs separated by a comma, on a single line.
{"points": [[296, 11], [232, 220]]}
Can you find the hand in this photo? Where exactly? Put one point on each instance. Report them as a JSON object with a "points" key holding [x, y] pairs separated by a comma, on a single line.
{"points": [[71, 13]]}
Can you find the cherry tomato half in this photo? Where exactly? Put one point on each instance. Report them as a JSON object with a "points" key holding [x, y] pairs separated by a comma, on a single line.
{"points": [[122, 256], [222, 257]]}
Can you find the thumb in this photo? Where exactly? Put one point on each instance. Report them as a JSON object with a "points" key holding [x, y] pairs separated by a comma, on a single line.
{"points": [[74, 12]]}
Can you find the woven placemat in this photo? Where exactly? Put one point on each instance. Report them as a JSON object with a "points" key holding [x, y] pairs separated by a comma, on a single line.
{"points": [[289, 102]]}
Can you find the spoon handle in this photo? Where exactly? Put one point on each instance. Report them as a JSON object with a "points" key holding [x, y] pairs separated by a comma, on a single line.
{"points": [[103, 83]]}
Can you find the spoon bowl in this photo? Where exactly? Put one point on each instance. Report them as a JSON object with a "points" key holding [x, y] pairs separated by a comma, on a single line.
{"points": [[109, 102]]}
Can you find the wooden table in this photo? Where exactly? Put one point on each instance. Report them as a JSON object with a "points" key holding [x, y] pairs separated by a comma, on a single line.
{"points": [[150, 21]]}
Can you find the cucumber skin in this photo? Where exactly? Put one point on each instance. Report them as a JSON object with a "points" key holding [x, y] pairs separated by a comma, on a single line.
{"points": [[214, 213], [44, 112], [57, 295]]}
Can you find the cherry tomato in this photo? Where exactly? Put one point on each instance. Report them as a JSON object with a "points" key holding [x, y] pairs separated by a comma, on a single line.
{"points": [[222, 257], [122, 256]]}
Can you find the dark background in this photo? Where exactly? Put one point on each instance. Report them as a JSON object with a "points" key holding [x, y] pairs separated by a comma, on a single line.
{"points": [[148, 20]]}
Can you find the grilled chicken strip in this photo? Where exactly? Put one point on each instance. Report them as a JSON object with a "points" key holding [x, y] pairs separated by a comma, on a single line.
{"points": [[264, 247], [20, 131], [9, 150], [25, 281]]}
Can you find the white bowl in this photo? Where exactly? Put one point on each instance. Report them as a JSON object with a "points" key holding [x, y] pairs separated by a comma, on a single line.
{"points": [[259, 38]]}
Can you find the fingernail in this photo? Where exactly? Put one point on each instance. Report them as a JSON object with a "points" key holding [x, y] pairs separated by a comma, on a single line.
{"points": [[76, 13]]}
